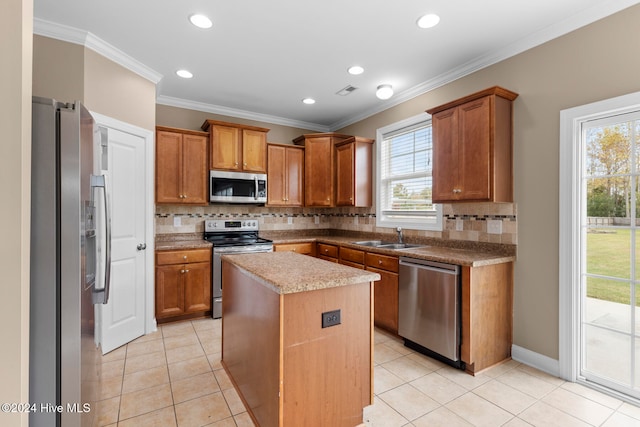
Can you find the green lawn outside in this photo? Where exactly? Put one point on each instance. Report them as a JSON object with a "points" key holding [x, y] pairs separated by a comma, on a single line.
{"points": [[608, 255]]}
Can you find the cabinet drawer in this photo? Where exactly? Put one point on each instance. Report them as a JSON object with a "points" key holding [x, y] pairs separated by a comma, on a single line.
{"points": [[327, 250], [182, 257], [352, 264], [383, 262], [300, 248], [352, 255]]}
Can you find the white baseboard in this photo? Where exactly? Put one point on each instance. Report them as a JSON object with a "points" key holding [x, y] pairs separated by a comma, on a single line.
{"points": [[536, 360]]}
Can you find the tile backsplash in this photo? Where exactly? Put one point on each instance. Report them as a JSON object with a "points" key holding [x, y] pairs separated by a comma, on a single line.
{"points": [[462, 221]]}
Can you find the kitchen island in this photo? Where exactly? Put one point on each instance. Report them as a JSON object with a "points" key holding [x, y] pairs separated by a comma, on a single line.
{"points": [[297, 338]]}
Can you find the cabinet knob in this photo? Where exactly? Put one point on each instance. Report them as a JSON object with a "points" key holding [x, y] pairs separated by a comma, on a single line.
{"points": [[379, 262], [244, 164], [351, 199], [184, 257], [182, 271], [236, 164], [186, 271], [457, 190], [295, 249]]}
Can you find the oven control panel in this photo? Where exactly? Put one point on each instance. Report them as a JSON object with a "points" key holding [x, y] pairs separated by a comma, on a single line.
{"points": [[213, 225]]}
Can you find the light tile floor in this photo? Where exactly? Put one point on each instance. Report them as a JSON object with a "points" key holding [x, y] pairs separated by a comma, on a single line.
{"points": [[173, 377]]}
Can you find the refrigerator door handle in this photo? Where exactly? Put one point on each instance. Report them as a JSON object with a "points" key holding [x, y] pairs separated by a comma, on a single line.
{"points": [[101, 295]]}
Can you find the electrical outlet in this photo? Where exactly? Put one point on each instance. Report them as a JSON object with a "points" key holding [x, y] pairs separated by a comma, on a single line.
{"points": [[177, 221], [289, 220], [316, 219], [459, 225], [494, 226], [330, 318], [355, 220]]}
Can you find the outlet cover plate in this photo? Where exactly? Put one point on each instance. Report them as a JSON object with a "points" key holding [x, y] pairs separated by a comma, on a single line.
{"points": [[330, 318], [494, 226]]}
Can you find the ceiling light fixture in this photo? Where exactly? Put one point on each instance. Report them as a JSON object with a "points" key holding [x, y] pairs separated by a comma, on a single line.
{"points": [[355, 70], [384, 91], [184, 74], [309, 101], [428, 21], [200, 21]]}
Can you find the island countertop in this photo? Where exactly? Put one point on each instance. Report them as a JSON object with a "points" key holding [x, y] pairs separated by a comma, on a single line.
{"points": [[288, 272]]}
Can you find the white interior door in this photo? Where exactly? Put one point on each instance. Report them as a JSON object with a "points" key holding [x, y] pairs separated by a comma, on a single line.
{"points": [[122, 319]]}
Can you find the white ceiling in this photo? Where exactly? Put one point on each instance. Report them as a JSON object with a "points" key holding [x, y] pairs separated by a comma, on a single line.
{"points": [[261, 58]]}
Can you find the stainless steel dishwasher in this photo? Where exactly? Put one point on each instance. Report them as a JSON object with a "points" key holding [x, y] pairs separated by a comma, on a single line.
{"points": [[429, 308]]}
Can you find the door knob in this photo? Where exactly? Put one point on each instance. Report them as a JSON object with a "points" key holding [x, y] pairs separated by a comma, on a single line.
{"points": [[142, 246]]}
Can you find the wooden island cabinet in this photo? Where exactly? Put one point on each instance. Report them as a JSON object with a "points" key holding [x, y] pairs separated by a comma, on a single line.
{"points": [[472, 148], [308, 373]]}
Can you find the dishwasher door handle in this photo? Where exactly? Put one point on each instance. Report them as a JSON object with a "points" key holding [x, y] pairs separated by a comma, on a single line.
{"points": [[454, 271]]}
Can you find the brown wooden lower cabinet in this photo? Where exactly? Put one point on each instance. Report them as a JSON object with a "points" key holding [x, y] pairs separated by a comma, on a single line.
{"points": [[183, 284], [487, 315], [305, 248]]}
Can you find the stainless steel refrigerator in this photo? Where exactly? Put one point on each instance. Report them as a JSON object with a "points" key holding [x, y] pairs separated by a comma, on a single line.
{"points": [[67, 276]]}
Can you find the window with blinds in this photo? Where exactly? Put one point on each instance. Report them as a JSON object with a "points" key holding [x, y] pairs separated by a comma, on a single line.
{"points": [[404, 176]]}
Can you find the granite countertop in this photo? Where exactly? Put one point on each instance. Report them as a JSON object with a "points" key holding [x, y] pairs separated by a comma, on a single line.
{"points": [[289, 272], [176, 242], [471, 257]]}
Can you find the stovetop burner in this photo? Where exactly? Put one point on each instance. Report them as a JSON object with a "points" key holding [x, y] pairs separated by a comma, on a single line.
{"points": [[233, 233]]}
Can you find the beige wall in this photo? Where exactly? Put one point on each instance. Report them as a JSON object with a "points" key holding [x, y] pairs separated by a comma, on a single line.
{"points": [[191, 119], [58, 69], [593, 63], [70, 72], [116, 92], [15, 171]]}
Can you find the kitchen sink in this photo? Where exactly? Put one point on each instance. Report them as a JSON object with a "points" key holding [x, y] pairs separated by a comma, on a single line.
{"points": [[386, 245], [372, 243], [399, 246]]}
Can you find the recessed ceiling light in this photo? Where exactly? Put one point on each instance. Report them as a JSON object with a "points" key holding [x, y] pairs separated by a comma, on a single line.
{"points": [[200, 21], [309, 101], [355, 70], [428, 21], [384, 91], [184, 74]]}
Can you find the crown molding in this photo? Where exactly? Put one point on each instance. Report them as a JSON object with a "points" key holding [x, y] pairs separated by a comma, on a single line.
{"points": [[570, 24], [91, 41], [241, 114]]}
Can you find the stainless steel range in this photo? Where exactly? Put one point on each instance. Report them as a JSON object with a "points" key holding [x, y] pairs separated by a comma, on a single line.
{"points": [[231, 237]]}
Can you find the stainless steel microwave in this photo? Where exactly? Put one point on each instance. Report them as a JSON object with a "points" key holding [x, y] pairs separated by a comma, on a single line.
{"points": [[237, 187]]}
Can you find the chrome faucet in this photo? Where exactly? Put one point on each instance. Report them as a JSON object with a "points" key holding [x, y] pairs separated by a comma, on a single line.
{"points": [[399, 230]]}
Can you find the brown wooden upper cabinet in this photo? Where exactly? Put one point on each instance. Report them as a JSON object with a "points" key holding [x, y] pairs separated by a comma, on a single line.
{"points": [[353, 172], [285, 171], [237, 147], [319, 167], [181, 166], [472, 148]]}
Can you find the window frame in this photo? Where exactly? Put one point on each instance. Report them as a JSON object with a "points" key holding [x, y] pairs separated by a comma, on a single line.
{"points": [[416, 222]]}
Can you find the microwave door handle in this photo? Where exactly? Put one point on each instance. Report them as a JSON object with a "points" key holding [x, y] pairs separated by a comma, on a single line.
{"points": [[101, 296], [255, 195]]}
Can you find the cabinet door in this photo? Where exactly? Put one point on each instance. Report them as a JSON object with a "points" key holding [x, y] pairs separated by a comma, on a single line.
{"points": [[295, 176], [168, 167], [194, 170], [197, 287], [445, 155], [345, 174], [474, 149], [318, 172], [276, 176], [225, 147], [169, 290], [385, 300], [254, 151]]}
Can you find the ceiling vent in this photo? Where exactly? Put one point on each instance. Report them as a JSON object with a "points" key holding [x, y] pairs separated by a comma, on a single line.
{"points": [[346, 91]]}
